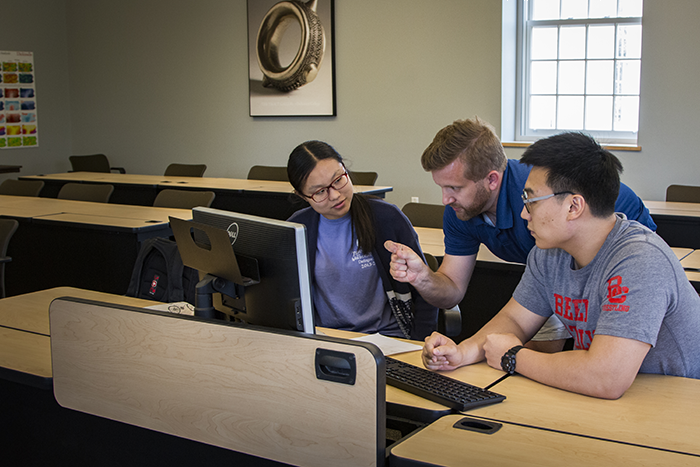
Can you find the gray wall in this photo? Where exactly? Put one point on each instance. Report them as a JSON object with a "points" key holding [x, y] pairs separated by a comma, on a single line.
{"points": [[150, 82]]}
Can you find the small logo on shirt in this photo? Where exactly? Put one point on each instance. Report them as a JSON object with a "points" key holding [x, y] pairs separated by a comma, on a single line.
{"points": [[617, 294], [365, 261]]}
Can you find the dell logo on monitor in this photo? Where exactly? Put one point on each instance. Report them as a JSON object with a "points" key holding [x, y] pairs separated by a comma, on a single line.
{"points": [[232, 232]]}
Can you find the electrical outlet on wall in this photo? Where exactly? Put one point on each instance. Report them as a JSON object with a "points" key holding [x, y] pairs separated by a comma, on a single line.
{"points": [[414, 199]]}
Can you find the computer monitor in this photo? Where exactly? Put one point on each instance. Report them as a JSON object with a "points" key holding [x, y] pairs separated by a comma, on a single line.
{"points": [[273, 261]]}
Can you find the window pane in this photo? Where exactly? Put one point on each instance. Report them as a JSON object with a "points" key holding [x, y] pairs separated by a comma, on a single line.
{"points": [[544, 43], [571, 76], [545, 9], [542, 112], [543, 77], [572, 42], [627, 74], [600, 77], [599, 113], [629, 41], [601, 41], [574, 9], [626, 113], [629, 8], [603, 9], [570, 113]]}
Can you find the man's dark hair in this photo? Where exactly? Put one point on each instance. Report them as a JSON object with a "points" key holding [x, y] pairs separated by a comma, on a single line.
{"points": [[576, 162]]}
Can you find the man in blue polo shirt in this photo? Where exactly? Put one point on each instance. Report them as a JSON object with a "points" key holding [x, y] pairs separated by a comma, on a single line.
{"points": [[483, 189]]}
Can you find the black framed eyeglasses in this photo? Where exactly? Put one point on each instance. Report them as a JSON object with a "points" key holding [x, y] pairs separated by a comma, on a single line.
{"points": [[528, 201], [338, 183]]}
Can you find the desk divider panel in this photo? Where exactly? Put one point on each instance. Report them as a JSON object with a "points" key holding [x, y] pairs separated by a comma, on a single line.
{"points": [[243, 388]]}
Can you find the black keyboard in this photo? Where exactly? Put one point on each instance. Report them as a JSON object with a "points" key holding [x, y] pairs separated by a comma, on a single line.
{"points": [[436, 387]]}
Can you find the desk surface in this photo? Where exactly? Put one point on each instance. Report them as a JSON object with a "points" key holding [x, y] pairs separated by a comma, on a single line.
{"points": [[657, 411], [30, 312], [234, 184], [691, 260], [661, 412], [670, 208], [441, 443]]}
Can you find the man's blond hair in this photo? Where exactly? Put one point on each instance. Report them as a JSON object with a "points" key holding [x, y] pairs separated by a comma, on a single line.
{"points": [[471, 140]]}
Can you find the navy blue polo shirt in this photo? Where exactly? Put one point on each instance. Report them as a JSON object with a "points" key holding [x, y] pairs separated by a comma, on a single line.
{"points": [[509, 239]]}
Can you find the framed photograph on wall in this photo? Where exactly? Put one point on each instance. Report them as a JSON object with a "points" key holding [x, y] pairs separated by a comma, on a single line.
{"points": [[291, 58]]}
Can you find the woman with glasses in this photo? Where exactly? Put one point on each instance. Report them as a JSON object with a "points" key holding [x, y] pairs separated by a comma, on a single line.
{"points": [[352, 287]]}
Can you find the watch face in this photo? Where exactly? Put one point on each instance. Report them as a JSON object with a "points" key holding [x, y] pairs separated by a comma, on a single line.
{"points": [[508, 363]]}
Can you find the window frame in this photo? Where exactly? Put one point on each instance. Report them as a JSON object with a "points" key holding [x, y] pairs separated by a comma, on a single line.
{"points": [[521, 95]]}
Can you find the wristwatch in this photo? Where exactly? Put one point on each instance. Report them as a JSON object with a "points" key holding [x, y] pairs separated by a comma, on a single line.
{"points": [[508, 360]]}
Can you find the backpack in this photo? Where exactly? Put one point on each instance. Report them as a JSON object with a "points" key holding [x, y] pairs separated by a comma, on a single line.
{"points": [[160, 275]]}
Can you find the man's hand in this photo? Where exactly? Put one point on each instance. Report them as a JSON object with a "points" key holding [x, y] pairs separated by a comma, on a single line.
{"points": [[406, 265], [441, 353], [496, 345]]}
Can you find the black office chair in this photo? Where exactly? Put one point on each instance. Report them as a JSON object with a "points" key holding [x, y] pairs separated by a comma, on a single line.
{"points": [[7, 229], [449, 321], [98, 193], [21, 187], [683, 193], [362, 178], [268, 172], [183, 199], [424, 215], [93, 163], [185, 170]]}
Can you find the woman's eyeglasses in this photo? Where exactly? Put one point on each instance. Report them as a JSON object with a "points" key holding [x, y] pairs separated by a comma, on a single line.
{"points": [[321, 194]]}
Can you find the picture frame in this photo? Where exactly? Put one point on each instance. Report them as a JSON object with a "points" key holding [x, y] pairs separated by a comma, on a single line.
{"points": [[291, 58]]}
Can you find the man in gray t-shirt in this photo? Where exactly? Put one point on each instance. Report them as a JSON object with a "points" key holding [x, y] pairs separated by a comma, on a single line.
{"points": [[615, 285]]}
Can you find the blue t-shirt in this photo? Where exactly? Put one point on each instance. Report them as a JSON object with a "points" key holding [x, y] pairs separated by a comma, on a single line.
{"points": [[348, 291], [509, 239]]}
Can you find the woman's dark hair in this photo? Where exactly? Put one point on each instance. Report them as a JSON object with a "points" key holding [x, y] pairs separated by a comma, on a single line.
{"points": [[302, 162]]}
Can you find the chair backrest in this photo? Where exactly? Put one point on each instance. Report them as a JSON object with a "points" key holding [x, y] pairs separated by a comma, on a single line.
{"points": [[268, 172], [183, 199], [7, 229], [21, 187], [98, 193], [424, 215], [362, 178], [90, 163], [683, 193], [185, 170]]}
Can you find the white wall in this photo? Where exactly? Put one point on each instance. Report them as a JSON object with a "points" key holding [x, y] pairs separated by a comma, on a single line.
{"points": [[158, 81], [39, 26]]}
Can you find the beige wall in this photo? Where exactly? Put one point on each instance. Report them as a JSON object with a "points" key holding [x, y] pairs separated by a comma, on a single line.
{"points": [[156, 81]]}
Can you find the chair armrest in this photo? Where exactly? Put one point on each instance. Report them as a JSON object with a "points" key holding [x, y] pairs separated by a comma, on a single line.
{"points": [[450, 321]]}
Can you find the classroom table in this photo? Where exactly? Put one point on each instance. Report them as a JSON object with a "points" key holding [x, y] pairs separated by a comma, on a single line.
{"points": [[258, 197], [677, 223], [78, 243], [660, 414]]}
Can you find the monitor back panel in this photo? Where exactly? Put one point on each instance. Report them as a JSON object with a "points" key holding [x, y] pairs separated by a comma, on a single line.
{"points": [[246, 389]]}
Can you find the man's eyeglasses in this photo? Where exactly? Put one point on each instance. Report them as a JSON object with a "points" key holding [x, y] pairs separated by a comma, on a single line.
{"points": [[321, 194], [528, 201]]}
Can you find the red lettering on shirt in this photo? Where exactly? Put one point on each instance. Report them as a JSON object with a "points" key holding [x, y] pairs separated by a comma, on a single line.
{"points": [[574, 309], [616, 292]]}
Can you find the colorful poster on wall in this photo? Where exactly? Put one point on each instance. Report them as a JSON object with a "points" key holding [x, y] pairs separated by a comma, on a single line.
{"points": [[18, 109]]}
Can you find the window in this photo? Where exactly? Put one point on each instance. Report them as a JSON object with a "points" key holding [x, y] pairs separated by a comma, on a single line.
{"points": [[580, 63]]}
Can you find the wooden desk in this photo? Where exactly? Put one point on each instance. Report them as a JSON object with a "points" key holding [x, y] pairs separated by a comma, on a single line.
{"points": [[662, 412], [677, 223], [691, 260], [78, 243], [441, 443], [257, 197]]}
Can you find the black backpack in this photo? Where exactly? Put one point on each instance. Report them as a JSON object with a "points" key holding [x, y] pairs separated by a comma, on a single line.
{"points": [[160, 275]]}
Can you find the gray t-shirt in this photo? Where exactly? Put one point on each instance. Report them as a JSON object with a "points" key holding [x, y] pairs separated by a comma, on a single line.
{"points": [[634, 288], [348, 292]]}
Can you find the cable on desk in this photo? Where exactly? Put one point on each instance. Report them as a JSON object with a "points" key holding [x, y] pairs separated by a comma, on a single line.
{"points": [[497, 381]]}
